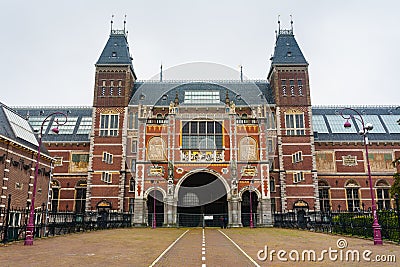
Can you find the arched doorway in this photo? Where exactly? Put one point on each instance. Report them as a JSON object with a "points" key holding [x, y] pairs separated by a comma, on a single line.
{"points": [[202, 201], [155, 208], [246, 203]]}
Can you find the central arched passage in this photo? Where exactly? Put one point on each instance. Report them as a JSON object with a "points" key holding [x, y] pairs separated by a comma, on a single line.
{"points": [[202, 201]]}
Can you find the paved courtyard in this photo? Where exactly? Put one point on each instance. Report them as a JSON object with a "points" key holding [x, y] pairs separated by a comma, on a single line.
{"points": [[198, 247]]}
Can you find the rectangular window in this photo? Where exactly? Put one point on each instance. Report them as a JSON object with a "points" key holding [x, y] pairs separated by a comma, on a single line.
{"points": [[202, 97], [297, 157], [106, 177], [324, 199], [353, 200], [111, 90], [109, 124], [202, 135], [134, 146], [273, 205], [273, 120], [133, 165], [295, 124], [283, 87], [298, 177], [272, 185], [107, 158]]}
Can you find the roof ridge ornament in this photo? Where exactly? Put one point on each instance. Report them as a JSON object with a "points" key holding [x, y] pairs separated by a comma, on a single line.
{"points": [[112, 21]]}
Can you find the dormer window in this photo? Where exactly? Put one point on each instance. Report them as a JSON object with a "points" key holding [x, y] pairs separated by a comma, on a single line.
{"points": [[114, 54], [289, 54]]}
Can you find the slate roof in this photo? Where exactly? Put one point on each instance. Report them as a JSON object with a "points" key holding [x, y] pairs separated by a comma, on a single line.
{"points": [[17, 132], [78, 125], [82, 117], [241, 93], [385, 123], [287, 51], [116, 51]]}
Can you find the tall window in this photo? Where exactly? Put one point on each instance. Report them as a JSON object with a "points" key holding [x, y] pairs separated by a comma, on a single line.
{"points": [[109, 125], [291, 87], [283, 87], [107, 158], [273, 205], [300, 86], [202, 135], [323, 191], [134, 146], [295, 124], [382, 192], [298, 177], [55, 192], [80, 196], [272, 184], [352, 195], [106, 177]]}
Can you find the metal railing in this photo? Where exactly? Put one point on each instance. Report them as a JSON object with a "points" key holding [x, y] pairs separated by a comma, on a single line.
{"points": [[59, 223], [342, 222]]}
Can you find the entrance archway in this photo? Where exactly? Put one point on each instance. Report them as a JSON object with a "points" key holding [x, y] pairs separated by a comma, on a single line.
{"points": [[155, 203], [246, 207], [202, 201]]}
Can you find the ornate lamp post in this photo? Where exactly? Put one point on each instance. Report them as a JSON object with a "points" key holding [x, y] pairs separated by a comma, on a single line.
{"points": [[154, 225], [251, 204], [366, 127], [30, 228]]}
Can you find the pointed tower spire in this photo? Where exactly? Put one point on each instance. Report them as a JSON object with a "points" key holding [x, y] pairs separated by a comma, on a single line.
{"points": [[124, 23], [279, 24], [291, 23], [161, 72], [112, 21]]}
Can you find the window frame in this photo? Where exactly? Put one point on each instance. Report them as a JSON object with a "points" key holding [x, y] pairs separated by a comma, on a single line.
{"points": [[292, 121], [109, 125]]}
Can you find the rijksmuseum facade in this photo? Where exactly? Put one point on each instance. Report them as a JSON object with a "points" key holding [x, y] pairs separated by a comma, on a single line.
{"points": [[228, 148]]}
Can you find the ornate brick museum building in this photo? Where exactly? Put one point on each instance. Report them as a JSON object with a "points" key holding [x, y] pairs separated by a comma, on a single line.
{"points": [[210, 147]]}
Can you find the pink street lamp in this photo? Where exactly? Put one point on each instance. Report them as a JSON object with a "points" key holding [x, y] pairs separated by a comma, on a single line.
{"points": [[30, 228], [154, 206], [366, 127], [251, 205]]}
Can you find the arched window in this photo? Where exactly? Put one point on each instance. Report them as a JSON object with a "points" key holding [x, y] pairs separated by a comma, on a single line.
{"points": [[382, 192], [323, 191], [352, 195]]}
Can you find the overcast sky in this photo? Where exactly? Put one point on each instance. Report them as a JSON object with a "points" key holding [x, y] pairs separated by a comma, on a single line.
{"points": [[48, 49]]}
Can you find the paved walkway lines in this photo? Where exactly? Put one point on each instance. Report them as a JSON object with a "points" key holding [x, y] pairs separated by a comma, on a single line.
{"points": [[168, 248], [203, 250], [241, 250]]}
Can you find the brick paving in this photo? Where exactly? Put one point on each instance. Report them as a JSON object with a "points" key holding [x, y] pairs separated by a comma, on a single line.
{"points": [[218, 251], [141, 246]]}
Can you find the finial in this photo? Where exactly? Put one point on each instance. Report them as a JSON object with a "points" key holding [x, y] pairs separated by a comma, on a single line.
{"points": [[124, 23], [161, 72], [291, 23], [241, 73], [176, 101], [279, 24], [112, 21], [227, 101]]}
